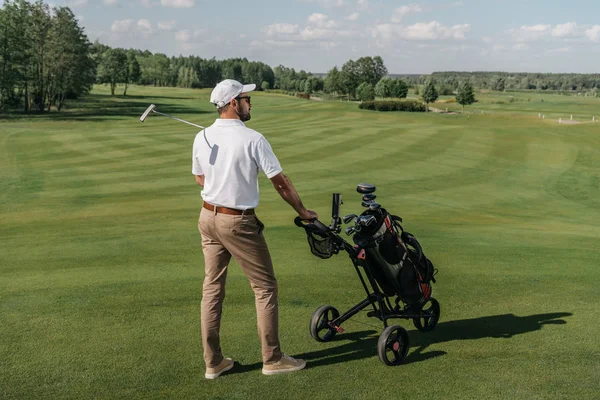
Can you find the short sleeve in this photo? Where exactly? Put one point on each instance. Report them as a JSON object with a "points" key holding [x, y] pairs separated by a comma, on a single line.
{"points": [[196, 168], [265, 158]]}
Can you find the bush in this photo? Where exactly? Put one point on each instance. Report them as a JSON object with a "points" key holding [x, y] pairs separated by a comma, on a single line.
{"points": [[303, 95], [392, 105]]}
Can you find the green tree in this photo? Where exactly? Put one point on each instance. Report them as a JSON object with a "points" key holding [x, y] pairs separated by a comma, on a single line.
{"points": [[498, 83], [41, 54], [465, 95], [71, 67], [112, 68], [398, 89], [383, 88], [333, 81], [350, 77], [430, 94], [365, 92]]}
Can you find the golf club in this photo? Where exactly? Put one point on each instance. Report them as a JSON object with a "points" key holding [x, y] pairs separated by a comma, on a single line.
{"points": [[152, 108]]}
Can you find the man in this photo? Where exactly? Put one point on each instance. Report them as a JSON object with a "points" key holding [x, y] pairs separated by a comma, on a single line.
{"points": [[227, 158]]}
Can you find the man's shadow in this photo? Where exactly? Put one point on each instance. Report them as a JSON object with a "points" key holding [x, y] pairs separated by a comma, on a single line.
{"points": [[363, 344]]}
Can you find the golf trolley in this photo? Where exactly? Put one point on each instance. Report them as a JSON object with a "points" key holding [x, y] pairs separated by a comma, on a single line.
{"points": [[394, 265]]}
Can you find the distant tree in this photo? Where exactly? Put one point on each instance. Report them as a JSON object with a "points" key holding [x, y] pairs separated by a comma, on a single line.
{"points": [[333, 81], [465, 95], [265, 85], [70, 66], [498, 83], [430, 94], [383, 88], [365, 92], [350, 77], [112, 68], [398, 89]]}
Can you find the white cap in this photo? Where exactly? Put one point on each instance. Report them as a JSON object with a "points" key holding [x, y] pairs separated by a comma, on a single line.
{"points": [[227, 90]]}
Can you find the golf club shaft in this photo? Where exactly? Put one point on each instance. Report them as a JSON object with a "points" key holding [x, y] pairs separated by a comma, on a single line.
{"points": [[178, 119]]}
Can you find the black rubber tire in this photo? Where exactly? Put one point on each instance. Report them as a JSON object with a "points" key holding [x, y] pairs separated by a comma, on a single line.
{"points": [[319, 323], [392, 346], [430, 315]]}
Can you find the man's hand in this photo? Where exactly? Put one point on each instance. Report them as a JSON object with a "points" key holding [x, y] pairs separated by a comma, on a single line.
{"points": [[307, 215]]}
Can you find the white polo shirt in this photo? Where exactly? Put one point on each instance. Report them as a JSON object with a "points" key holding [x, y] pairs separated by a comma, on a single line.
{"points": [[230, 156]]}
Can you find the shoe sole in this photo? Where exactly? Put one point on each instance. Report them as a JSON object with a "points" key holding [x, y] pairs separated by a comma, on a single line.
{"points": [[216, 375], [282, 371]]}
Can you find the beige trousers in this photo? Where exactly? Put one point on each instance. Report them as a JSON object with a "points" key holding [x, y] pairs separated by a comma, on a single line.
{"points": [[239, 236]]}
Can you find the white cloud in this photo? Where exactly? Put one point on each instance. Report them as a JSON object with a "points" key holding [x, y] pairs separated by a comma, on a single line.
{"points": [[486, 39], [110, 2], [144, 27], [141, 27], [268, 44], [279, 29], [562, 30], [363, 4], [122, 26], [167, 25], [149, 3], [593, 33], [528, 33], [353, 16], [520, 46], [80, 18], [327, 3], [77, 3], [321, 21], [178, 3], [560, 50], [421, 31], [183, 36], [400, 12]]}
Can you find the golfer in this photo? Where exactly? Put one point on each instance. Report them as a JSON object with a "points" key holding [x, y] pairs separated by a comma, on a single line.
{"points": [[227, 158]]}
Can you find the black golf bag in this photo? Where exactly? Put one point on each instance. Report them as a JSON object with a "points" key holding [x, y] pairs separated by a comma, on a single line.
{"points": [[395, 258]]}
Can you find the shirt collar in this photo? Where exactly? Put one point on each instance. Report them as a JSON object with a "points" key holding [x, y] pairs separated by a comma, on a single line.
{"points": [[229, 122]]}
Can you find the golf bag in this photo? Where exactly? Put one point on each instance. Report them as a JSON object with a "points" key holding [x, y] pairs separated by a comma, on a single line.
{"points": [[396, 259]]}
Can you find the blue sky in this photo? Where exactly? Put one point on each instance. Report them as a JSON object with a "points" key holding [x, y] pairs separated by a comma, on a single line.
{"points": [[316, 35]]}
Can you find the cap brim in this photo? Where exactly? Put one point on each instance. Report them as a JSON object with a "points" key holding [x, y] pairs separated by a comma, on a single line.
{"points": [[248, 88]]}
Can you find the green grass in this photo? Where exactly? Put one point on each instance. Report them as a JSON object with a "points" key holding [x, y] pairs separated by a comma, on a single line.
{"points": [[101, 267]]}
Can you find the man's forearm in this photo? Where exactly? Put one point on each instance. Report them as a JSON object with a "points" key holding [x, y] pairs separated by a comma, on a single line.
{"points": [[288, 192]]}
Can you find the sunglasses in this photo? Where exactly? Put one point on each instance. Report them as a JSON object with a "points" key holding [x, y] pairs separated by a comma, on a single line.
{"points": [[244, 97]]}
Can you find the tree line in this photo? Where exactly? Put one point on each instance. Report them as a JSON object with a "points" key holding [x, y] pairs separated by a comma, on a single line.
{"points": [[500, 81], [46, 58]]}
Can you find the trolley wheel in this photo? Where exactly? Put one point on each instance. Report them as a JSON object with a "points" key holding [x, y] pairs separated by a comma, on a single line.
{"points": [[320, 329], [429, 315], [392, 346]]}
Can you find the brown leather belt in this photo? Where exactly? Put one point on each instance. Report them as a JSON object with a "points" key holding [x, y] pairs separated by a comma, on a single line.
{"points": [[226, 210]]}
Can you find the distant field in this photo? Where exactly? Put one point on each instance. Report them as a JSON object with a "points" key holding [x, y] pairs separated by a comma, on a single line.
{"points": [[101, 267]]}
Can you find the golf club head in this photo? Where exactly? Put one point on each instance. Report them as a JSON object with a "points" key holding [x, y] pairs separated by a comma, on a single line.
{"points": [[374, 206], [349, 217], [369, 197], [148, 111], [365, 188]]}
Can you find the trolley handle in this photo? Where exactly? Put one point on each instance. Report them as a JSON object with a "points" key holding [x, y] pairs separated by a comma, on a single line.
{"points": [[314, 225]]}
